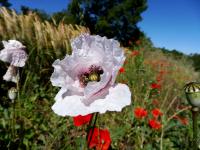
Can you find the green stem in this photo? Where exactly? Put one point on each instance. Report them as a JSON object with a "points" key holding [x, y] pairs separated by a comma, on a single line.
{"points": [[12, 122], [195, 127], [14, 106], [90, 138], [13, 119], [90, 123], [161, 139]]}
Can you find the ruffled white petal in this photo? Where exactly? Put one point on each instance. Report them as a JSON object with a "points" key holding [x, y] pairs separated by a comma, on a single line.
{"points": [[5, 56], [13, 53], [95, 87], [65, 74], [12, 44], [59, 77], [19, 58], [119, 96], [11, 74]]}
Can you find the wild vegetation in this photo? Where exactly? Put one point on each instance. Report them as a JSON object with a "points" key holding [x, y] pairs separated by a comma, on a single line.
{"points": [[156, 81]]}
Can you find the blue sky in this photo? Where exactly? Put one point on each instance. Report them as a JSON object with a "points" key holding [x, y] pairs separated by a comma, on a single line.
{"points": [[173, 24], [49, 6]]}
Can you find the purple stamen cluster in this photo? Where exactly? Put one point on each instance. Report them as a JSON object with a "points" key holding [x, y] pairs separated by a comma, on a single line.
{"points": [[92, 75]]}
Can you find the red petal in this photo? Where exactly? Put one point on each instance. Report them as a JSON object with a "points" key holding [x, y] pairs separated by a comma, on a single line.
{"points": [[81, 120]]}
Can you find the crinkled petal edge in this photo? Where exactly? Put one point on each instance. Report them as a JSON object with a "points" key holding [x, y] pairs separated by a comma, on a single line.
{"points": [[119, 96]]}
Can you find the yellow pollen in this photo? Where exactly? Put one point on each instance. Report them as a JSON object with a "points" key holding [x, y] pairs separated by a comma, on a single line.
{"points": [[93, 77]]}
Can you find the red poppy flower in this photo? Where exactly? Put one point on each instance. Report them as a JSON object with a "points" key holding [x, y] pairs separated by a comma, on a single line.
{"points": [[156, 113], [162, 72], [135, 53], [121, 70], [155, 124], [138, 42], [98, 138], [81, 120], [183, 121], [158, 78], [155, 102], [155, 86], [140, 113]]}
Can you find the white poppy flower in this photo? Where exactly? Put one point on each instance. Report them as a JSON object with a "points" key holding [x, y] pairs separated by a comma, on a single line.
{"points": [[87, 78], [13, 53]]}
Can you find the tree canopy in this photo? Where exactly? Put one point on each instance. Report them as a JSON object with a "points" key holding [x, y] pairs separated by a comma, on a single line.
{"points": [[115, 19], [42, 14], [5, 3]]}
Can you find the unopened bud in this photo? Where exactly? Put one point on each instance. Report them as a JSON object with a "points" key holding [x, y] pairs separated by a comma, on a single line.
{"points": [[12, 93]]}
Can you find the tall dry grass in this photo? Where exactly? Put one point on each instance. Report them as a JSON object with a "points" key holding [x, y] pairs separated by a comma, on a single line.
{"points": [[45, 41], [29, 28]]}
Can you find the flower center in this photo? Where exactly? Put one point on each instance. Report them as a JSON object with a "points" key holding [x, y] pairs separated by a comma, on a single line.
{"points": [[94, 74]]}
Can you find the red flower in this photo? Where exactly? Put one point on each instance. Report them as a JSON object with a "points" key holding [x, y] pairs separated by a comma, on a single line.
{"points": [[155, 102], [155, 86], [156, 113], [158, 78], [138, 42], [140, 113], [161, 72], [81, 120], [183, 121], [155, 124], [100, 139], [135, 53], [121, 70]]}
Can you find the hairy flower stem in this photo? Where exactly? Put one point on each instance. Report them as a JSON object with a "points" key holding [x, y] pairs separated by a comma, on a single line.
{"points": [[95, 119], [195, 111], [13, 120], [14, 106], [18, 94]]}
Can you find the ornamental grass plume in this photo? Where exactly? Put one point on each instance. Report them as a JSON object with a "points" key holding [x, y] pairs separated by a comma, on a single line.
{"points": [[87, 78]]}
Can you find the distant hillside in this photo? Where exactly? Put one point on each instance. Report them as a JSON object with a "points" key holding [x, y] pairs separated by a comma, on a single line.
{"points": [[193, 58]]}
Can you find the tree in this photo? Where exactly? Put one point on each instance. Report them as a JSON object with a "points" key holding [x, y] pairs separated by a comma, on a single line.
{"points": [[42, 14], [5, 3], [112, 18], [196, 61], [67, 16], [64, 16]]}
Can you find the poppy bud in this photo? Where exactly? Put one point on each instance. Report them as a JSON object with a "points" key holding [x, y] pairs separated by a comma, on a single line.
{"points": [[12, 93]]}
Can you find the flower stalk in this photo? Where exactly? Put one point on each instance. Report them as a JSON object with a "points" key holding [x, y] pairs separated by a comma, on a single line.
{"points": [[95, 116], [14, 104], [195, 111], [192, 91]]}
